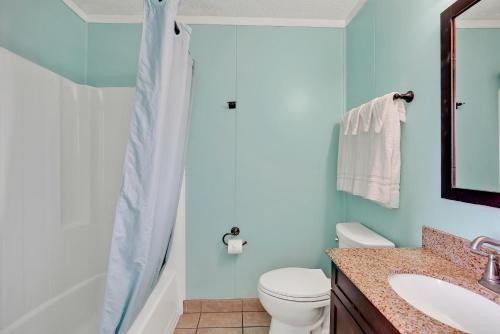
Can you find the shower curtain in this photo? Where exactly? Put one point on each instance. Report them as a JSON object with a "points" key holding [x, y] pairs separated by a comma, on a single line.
{"points": [[153, 166]]}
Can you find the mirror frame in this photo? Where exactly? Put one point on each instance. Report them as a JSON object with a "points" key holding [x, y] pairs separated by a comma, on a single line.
{"points": [[448, 59]]}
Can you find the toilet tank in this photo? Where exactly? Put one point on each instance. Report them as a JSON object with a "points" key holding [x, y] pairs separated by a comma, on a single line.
{"points": [[356, 235]]}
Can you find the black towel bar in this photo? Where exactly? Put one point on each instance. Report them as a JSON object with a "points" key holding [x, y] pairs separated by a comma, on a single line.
{"points": [[408, 96]]}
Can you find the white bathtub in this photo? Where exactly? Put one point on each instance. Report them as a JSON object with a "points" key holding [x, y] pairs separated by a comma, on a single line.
{"points": [[78, 310], [164, 306], [162, 310], [75, 311]]}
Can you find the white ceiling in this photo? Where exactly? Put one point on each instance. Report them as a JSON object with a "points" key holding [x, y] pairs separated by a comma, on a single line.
{"points": [[303, 9], [323, 12]]}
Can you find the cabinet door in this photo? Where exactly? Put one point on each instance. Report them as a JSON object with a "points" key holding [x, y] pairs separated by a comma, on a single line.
{"points": [[341, 321]]}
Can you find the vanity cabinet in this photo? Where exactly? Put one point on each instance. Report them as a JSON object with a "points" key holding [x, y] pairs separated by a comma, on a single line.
{"points": [[352, 312]]}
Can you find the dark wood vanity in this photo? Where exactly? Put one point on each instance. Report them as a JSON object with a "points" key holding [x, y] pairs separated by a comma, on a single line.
{"points": [[352, 312]]}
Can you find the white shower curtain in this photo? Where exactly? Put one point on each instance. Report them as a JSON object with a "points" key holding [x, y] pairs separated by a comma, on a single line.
{"points": [[153, 167]]}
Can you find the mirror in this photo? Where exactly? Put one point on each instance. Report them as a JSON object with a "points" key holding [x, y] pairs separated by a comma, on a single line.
{"points": [[477, 91], [471, 101]]}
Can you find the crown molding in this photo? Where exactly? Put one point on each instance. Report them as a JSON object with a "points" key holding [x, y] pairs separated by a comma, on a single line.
{"points": [[102, 18], [76, 9], [262, 21], [222, 20], [359, 5]]}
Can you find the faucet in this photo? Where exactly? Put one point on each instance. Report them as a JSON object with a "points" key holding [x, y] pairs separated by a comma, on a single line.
{"points": [[491, 277]]}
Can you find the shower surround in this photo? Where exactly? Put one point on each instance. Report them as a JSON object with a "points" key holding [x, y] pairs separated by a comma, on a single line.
{"points": [[61, 153]]}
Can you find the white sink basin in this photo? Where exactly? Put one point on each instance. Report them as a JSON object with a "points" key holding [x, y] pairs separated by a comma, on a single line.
{"points": [[448, 303]]}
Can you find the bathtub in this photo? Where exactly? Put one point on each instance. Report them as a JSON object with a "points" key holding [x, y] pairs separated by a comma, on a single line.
{"points": [[162, 310], [164, 305], [78, 309], [75, 311]]}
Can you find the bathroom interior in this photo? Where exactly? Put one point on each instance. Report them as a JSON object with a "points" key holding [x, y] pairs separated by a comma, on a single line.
{"points": [[249, 167]]}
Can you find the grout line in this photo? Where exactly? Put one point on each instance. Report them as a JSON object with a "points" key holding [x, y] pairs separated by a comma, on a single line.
{"points": [[228, 312], [198, 323], [221, 327]]}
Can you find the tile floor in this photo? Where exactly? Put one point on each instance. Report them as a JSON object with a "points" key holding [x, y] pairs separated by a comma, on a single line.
{"points": [[223, 316]]}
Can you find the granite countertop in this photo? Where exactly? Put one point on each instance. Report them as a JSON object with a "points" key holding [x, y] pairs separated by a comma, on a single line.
{"points": [[368, 269]]}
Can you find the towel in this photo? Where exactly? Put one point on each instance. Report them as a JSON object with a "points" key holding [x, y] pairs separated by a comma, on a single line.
{"points": [[369, 158]]}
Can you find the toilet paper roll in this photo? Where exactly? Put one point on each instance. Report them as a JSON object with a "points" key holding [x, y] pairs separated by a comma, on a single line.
{"points": [[235, 246]]}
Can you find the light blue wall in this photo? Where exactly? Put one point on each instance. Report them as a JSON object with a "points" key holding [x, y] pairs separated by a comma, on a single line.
{"points": [[210, 171], [478, 85], [402, 39], [113, 51], [46, 32], [51, 35], [268, 167]]}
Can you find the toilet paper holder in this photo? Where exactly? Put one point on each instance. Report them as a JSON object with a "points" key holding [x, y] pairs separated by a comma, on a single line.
{"points": [[234, 232]]}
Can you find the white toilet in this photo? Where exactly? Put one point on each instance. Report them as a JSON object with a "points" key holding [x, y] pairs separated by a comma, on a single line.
{"points": [[298, 299]]}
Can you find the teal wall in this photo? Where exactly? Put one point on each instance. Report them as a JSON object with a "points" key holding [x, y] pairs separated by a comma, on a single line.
{"points": [[46, 32], [268, 167], [478, 85], [399, 43], [51, 35], [113, 51]]}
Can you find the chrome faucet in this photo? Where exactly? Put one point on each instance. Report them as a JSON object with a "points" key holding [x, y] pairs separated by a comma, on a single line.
{"points": [[491, 277]]}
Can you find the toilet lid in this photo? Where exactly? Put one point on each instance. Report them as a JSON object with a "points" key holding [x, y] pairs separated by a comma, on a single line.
{"points": [[296, 282]]}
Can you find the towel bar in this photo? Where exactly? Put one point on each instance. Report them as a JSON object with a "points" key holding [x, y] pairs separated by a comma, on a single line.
{"points": [[408, 96]]}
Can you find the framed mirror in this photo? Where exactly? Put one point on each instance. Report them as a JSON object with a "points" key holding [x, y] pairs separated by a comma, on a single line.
{"points": [[470, 102]]}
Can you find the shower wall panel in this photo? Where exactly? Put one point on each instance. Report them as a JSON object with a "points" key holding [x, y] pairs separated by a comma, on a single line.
{"points": [[61, 152]]}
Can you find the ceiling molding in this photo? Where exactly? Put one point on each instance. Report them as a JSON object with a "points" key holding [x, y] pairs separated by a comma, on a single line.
{"points": [[222, 20], [102, 18], [262, 21], [476, 24], [355, 11], [75, 8], [130, 19]]}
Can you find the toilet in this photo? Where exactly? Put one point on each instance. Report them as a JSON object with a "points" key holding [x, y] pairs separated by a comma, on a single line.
{"points": [[298, 299]]}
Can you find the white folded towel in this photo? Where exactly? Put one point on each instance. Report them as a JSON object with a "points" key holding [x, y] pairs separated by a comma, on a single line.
{"points": [[369, 159], [366, 116], [346, 122]]}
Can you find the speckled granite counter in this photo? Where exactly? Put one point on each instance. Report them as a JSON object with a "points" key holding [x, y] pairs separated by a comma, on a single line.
{"points": [[368, 269]]}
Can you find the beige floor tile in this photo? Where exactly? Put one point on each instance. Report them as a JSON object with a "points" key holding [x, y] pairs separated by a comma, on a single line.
{"points": [[222, 305], [256, 330], [219, 320], [192, 306], [256, 319], [188, 320], [185, 331], [219, 331], [252, 305]]}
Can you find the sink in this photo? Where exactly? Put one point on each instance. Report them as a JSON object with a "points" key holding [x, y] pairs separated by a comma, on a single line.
{"points": [[453, 305]]}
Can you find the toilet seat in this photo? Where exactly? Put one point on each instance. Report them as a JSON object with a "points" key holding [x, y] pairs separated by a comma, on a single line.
{"points": [[295, 299], [296, 284]]}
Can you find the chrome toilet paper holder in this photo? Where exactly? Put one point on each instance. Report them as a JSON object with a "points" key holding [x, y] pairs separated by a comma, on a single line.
{"points": [[234, 232]]}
